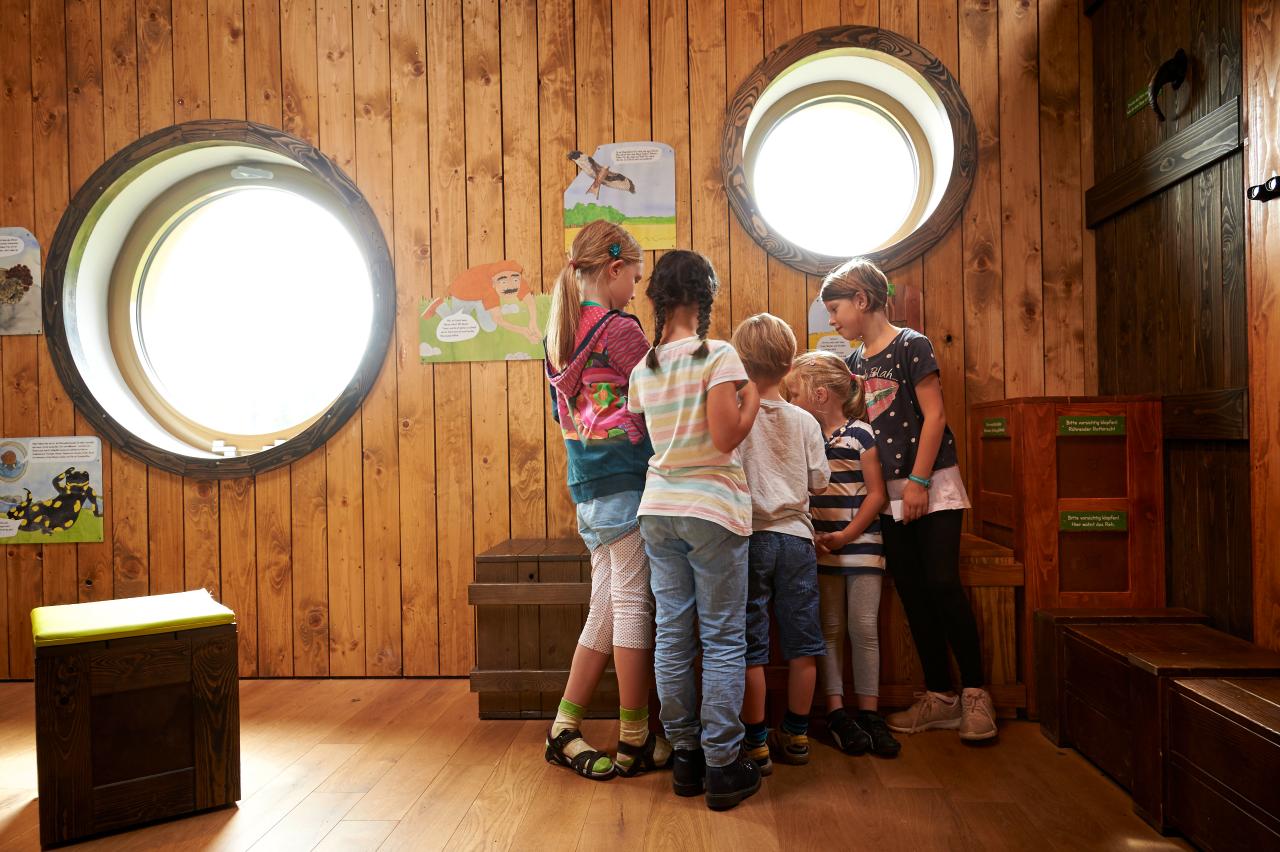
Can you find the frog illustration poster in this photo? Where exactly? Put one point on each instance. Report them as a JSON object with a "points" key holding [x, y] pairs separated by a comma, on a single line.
{"points": [[488, 314], [630, 183], [50, 490], [19, 282]]}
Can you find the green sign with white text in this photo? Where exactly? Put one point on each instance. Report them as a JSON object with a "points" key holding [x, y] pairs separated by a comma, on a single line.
{"points": [[1136, 104], [995, 427], [1091, 424], [1093, 521]]}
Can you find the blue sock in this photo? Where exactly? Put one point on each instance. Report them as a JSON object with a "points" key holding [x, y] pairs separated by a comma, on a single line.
{"points": [[795, 724], [757, 733]]}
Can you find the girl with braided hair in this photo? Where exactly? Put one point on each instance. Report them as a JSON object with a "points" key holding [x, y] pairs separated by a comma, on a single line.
{"points": [[695, 518]]}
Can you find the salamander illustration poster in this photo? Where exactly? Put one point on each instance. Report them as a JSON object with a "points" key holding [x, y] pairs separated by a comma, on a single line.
{"points": [[20, 308], [822, 336], [489, 313], [50, 490], [630, 183]]}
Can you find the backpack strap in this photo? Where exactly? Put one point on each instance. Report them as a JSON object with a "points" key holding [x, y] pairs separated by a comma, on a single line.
{"points": [[578, 350]]}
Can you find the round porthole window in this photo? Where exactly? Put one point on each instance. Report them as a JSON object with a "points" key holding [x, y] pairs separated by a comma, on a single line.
{"points": [[218, 299], [848, 141]]}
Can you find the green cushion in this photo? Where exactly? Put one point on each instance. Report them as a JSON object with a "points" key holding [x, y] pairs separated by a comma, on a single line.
{"points": [[99, 620]]}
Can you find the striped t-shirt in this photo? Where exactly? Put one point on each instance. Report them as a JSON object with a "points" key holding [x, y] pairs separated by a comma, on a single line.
{"points": [[835, 507], [688, 477]]}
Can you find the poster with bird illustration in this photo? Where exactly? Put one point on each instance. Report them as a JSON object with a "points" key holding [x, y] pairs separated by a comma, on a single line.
{"points": [[51, 490], [630, 183], [19, 282]]}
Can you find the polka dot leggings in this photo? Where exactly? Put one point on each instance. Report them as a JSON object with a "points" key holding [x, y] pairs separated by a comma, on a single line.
{"points": [[621, 603]]}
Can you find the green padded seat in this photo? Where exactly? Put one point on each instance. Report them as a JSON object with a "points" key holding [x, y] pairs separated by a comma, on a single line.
{"points": [[100, 620]]}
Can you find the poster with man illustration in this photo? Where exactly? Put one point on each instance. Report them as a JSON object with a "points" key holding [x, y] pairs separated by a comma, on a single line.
{"points": [[489, 313], [632, 184], [51, 490], [20, 309]]}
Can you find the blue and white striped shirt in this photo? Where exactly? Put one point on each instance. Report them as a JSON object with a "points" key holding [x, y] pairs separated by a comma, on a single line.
{"points": [[835, 507]]}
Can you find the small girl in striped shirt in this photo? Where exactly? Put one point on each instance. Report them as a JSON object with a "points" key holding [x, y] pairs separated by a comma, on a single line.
{"points": [[846, 519]]}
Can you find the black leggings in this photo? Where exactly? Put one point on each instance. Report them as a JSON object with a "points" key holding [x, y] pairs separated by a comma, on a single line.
{"points": [[924, 560]]}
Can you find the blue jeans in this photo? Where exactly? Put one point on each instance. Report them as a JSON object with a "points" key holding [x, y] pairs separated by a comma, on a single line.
{"points": [[698, 570]]}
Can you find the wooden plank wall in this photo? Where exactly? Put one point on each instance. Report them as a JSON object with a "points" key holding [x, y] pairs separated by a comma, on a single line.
{"points": [[1262, 122], [1171, 285], [454, 116]]}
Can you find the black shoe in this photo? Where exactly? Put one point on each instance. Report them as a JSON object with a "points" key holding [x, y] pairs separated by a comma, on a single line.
{"points": [[728, 785], [688, 771], [849, 737], [882, 742]]}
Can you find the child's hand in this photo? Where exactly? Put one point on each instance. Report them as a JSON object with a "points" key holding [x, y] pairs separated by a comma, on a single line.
{"points": [[915, 502], [829, 542]]}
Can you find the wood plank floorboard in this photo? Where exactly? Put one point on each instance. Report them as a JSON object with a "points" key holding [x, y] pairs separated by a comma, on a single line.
{"points": [[354, 764]]}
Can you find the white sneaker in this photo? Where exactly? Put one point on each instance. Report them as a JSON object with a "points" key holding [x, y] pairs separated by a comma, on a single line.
{"points": [[931, 710]]}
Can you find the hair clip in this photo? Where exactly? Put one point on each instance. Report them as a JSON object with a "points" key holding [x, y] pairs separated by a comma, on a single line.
{"points": [[615, 250], [890, 290]]}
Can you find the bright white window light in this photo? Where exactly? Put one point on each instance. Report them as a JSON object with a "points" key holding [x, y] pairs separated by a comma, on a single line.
{"points": [[255, 311], [837, 177]]}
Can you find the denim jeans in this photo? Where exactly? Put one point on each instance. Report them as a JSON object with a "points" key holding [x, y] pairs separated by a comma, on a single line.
{"points": [[698, 570]]}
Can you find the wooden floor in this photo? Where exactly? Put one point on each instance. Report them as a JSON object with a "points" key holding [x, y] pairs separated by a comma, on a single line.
{"points": [[405, 764]]}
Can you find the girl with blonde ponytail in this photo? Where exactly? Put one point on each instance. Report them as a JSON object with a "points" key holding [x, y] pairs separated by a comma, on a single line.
{"points": [[592, 347]]}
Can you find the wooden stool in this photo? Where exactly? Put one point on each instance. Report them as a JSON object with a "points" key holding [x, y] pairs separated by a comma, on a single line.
{"points": [[1117, 679], [137, 712], [1224, 751], [1049, 627]]}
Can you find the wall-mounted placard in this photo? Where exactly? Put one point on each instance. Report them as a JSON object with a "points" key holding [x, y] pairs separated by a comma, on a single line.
{"points": [[1093, 521], [489, 313], [995, 427], [1091, 424], [19, 282], [50, 490]]}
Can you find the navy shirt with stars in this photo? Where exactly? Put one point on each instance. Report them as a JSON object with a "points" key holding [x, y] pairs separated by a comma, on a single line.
{"points": [[891, 377]]}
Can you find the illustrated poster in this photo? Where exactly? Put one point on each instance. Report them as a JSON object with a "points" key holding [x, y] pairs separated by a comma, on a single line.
{"points": [[19, 282], [489, 313], [822, 336], [50, 490], [630, 183]]}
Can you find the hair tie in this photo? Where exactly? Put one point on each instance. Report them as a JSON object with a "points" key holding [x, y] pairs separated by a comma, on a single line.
{"points": [[573, 264], [615, 250], [890, 289]]}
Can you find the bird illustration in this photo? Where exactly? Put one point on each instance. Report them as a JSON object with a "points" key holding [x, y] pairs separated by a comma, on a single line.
{"points": [[601, 175]]}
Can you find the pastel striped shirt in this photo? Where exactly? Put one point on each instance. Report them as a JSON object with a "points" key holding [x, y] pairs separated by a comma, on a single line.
{"points": [[688, 476], [834, 508]]}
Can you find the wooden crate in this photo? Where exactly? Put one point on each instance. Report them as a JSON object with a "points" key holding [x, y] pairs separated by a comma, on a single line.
{"points": [[1075, 485], [531, 599], [133, 730], [1116, 694], [1051, 624], [1224, 756]]}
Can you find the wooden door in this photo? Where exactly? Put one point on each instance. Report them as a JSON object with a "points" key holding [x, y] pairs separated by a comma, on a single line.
{"points": [[1167, 212]]}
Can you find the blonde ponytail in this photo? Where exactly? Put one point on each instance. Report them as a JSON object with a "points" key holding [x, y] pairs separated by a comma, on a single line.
{"points": [[598, 244]]}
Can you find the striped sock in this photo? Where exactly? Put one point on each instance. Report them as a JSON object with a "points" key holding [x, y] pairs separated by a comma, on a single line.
{"points": [[757, 733], [569, 717]]}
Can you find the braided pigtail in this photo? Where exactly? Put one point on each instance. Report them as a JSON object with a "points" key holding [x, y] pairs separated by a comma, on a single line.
{"points": [[659, 320], [705, 299]]}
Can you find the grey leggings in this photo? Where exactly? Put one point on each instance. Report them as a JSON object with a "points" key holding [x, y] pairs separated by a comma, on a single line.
{"points": [[851, 602]]}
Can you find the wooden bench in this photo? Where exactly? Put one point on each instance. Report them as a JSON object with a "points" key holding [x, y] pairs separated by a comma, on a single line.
{"points": [[1051, 624], [1224, 762], [137, 712], [531, 598], [1116, 695]]}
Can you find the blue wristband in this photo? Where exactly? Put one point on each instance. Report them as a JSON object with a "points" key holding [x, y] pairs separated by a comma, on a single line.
{"points": [[925, 483]]}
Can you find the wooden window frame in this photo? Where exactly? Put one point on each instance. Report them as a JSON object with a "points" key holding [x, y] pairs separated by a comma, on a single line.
{"points": [[737, 152], [312, 175]]}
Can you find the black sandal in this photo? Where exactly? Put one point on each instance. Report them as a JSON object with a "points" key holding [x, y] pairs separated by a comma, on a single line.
{"points": [[641, 757], [583, 762]]}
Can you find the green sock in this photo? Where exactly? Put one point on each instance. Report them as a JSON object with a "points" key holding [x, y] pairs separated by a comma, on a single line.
{"points": [[633, 729], [569, 717]]}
